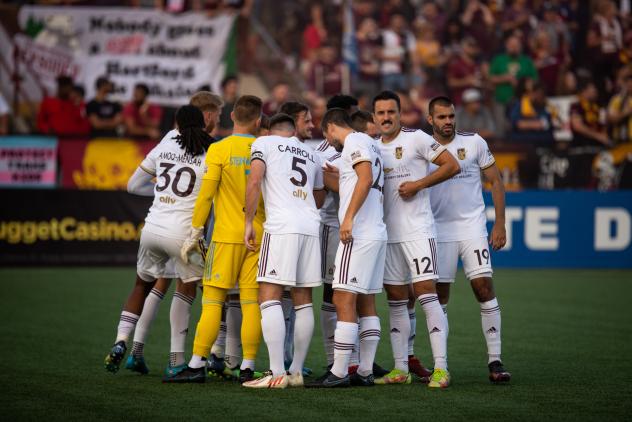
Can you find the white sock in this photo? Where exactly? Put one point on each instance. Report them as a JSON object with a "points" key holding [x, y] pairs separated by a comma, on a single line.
{"points": [[304, 325], [412, 317], [437, 329], [273, 327], [233, 334], [328, 327], [197, 362], [179, 316], [400, 332], [447, 321], [490, 321], [289, 316], [247, 364], [150, 309], [126, 325], [345, 338], [369, 339], [354, 359], [220, 342]]}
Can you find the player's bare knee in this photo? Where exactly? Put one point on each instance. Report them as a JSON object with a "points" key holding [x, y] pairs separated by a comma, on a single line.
{"points": [[396, 292], [443, 292], [424, 287], [301, 295], [269, 291], [483, 289], [366, 305]]}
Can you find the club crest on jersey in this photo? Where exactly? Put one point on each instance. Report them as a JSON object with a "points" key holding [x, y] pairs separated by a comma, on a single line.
{"points": [[399, 152], [460, 153]]}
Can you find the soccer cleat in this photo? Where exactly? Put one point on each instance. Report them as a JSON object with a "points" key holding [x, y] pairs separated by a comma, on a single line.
{"points": [[216, 366], [170, 371], [137, 364], [396, 376], [307, 372], [497, 373], [358, 380], [330, 381], [353, 369], [187, 375], [295, 380], [116, 355], [247, 375], [440, 378], [378, 371], [416, 368], [268, 381], [325, 375]]}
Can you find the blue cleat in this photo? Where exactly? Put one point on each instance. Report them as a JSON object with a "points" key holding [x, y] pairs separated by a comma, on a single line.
{"points": [[172, 371], [114, 358], [137, 364]]}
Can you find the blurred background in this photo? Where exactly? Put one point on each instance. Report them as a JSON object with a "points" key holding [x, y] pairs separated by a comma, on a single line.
{"points": [[88, 88]]}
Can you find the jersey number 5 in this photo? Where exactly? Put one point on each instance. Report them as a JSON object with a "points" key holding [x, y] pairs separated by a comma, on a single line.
{"points": [[167, 179], [295, 167]]}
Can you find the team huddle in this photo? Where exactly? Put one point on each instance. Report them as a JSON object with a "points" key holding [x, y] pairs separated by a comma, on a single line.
{"points": [[374, 206]]}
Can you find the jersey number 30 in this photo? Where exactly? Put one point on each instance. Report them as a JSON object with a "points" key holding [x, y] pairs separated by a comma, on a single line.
{"points": [[176, 180]]}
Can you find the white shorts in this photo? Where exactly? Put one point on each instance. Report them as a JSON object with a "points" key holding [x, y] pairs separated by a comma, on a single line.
{"points": [[474, 254], [290, 260], [360, 266], [329, 240], [154, 253], [411, 261], [170, 270]]}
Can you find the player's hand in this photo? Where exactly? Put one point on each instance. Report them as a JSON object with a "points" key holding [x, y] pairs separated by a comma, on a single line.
{"points": [[250, 237], [328, 168], [191, 243], [498, 239], [346, 229], [407, 190]]}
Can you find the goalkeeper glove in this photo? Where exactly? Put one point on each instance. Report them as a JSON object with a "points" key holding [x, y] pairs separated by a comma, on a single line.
{"points": [[192, 243]]}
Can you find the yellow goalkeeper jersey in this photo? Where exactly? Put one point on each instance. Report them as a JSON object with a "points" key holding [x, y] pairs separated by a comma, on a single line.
{"points": [[228, 161]]}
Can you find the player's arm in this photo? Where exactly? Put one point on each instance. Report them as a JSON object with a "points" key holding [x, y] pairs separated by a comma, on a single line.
{"points": [[359, 195], [319, 197], [253, 193], [319, 191], [499, 235], [141, 182], [448, 167], [331, 177]]}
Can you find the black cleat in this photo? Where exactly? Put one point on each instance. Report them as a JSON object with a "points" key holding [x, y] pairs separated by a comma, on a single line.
{"points": [[325, 375], [187, 375], [358, 380], [115, 357], [330, 381], [246, 375], [378, 371], [497, 373]]}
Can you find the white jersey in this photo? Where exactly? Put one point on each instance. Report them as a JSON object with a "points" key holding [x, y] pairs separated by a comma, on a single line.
{"points": [[457, 203], [329, 210], [406, 159], [293, 171], [178, 180], [369, 220]]}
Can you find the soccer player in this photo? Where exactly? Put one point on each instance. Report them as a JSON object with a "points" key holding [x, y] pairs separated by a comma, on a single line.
{"points": [[210, 105], [459, 213], [228, 262], [290, 176], [411, 251], [359, 263], [304, 126], [363, 122], [178, 165]]}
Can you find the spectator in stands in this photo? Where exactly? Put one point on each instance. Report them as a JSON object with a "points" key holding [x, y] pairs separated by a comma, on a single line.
{"points": [[105, 116], [559, 36], [473, 116], [314, 35], [327, 75], [279, 95], [606, 40], [142, 119], [431, 13], [508, 67], [429, 53], [230, 86], [398, 51], [548, 64], [60, 115], [620, 111], [4, 116], [453, 37], [478, 21], [369, 41], [586, 118], [78, 96], [318, 107], [530, 120], [516, 19], [410, 115], [463, 71]]}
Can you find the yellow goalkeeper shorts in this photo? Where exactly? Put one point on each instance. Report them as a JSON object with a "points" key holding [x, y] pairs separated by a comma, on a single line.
{"points": [[231, 265]]}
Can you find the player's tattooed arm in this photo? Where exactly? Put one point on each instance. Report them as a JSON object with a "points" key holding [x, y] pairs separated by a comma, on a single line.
{"points": [[498, 237], [448, 167], [253, 193]]}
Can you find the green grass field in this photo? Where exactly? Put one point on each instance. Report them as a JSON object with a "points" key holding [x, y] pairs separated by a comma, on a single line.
{"points": [[567, 339]]}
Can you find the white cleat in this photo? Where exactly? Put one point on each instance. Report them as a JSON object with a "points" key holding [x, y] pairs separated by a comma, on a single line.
{"points": [[295, 380], [268, 381]]}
